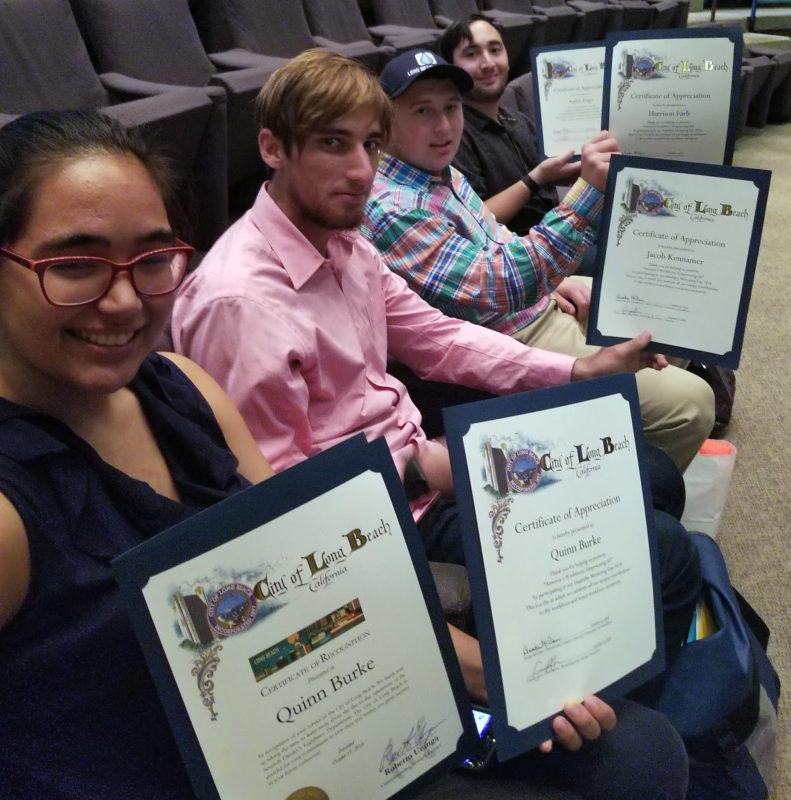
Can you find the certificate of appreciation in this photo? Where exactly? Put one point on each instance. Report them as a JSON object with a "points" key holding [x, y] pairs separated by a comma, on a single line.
{"points": [[567, 81], [674, 95], [290, 640], [557, 545], [677, 253]]}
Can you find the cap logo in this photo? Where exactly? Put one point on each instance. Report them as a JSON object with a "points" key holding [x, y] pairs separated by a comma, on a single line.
{"points": [[424, 61]]}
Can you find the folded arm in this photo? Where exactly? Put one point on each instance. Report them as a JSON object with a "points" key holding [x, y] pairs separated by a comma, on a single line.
{"points": [[485, 269]]}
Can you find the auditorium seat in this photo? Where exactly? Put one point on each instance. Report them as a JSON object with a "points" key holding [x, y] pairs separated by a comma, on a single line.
{"points": [[255, 28], [46, 65]]}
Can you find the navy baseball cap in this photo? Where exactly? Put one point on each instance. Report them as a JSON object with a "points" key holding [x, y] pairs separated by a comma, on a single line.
{"points": [[400, 73]]}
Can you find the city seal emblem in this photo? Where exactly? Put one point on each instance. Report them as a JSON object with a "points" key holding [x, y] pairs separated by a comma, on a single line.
{"points": [[523, 471], [644, 68], [650, 202], [232, 609]]}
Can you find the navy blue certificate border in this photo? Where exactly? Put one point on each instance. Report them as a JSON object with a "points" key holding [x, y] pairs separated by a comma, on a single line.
{"points": [[759, 177], [733, 33], [535, 53], [458, 419], [244, 512]]}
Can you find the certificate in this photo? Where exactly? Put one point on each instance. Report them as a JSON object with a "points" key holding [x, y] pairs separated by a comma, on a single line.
{"points": [[674, 94], [288, 634], [555, 505], [568, 82], [677, 253]]}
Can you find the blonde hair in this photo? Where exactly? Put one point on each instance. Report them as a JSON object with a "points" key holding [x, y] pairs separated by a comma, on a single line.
{"points": [[313, 90]]}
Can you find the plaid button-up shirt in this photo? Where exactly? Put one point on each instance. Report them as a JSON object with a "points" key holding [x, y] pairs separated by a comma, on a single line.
{"points": [[437, 234]]}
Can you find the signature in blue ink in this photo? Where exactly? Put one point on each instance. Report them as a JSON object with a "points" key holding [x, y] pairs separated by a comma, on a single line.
{"points": [[420, 737]]}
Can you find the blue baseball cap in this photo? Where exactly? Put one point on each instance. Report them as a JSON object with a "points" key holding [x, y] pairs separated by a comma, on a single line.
{"points": [[400, 73]]}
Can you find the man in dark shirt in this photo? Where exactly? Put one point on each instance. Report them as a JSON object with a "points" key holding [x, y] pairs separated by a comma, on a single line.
{"points": [[498, 153], [499, 146], [494, 154]]}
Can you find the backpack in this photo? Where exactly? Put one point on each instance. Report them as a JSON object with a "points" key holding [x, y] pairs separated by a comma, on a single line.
{"points": [[721, 694]]}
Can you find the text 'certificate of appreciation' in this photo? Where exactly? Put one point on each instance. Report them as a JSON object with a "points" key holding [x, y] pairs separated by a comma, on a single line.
{"points": [[674, 95], [567, 82], [556, 526], [677, 253], [294, 649]]}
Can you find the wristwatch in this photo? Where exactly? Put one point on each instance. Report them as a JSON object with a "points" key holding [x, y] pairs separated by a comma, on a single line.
{"points": [[531, 184], [415, 483]]}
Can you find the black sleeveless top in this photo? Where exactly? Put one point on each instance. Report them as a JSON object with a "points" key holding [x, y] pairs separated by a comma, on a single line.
{"points": [[79, 713]]}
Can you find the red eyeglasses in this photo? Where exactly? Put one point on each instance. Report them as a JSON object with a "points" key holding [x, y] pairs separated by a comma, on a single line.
{"points": [[77, 280]]}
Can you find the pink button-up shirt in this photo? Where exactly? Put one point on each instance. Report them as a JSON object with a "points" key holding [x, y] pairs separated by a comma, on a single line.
{"points": [[300, 339]]}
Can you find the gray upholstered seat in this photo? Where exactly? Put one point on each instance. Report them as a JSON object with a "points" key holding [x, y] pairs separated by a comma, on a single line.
{"points": [[559, 21], [275, 28], [405, 18], [158, 42], [342, 21], [780, 92], [46, 65], [637, 14]]}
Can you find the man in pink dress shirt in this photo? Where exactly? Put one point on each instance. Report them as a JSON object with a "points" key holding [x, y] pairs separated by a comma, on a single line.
{"points": [[294, 314]]}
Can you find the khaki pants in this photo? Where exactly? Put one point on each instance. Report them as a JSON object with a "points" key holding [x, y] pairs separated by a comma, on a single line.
{"points": [[677, 407]]}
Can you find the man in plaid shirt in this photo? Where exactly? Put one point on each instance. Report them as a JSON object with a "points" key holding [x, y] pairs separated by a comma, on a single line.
{"points": [[433, 230]]}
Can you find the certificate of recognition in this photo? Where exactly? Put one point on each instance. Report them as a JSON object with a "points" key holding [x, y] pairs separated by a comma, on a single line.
{"points": [[677, 253], [556, 539], [567, 82], [674, 95], [288, 634]]}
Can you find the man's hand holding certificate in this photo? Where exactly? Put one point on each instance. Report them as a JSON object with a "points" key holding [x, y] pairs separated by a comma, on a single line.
{"points": [[677, 253], [568, 84], [550, 483], [673, 95]]}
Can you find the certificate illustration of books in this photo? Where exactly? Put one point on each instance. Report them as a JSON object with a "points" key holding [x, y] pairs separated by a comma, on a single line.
{"points": [[296, 638], [567, 83], [678, 246], [555, 506], [673, 94]]}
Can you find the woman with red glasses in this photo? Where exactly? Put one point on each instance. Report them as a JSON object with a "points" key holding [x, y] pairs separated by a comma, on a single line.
{"points": [[102, 445]]}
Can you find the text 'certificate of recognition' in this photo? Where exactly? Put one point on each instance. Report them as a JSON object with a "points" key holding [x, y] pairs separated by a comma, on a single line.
{"points": [[552, 484], [568, 83], [673, 96], [677, 255], [302, 649]]}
